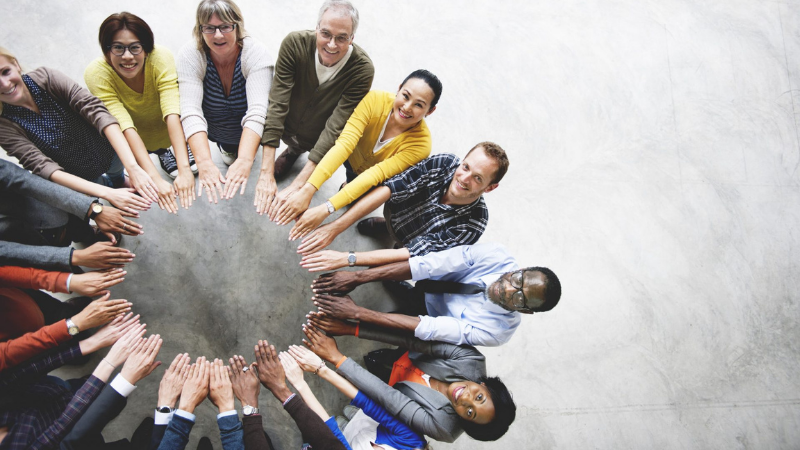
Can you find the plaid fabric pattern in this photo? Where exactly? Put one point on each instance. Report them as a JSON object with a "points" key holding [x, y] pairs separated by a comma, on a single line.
{"points": [[420, 221], [39, 411]]}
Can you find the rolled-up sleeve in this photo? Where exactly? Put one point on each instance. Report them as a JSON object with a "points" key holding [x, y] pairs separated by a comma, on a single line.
{"points": [[435, 265]]}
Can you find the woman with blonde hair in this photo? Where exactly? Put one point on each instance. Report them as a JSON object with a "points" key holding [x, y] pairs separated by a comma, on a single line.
{"points": [[224, 78]]}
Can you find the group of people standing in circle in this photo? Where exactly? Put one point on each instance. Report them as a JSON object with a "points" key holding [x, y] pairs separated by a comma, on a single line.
{"points": [[225, 88]]}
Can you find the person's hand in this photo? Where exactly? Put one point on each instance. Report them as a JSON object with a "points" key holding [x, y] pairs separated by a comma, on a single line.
{"points": [[101, 255], [337, 307], [195, 388], [270, 370], [324, 346], [305, 358], [125, 345], [110, 221], [143, 184], [280, 199], [184, 185], [335, 282], [100, 311], [244, 381], [172, 382], [294, 205], [237, 175], [142, 361], [90, 284], [220, 391], [210, 180], [309, 221], [331, 326], [265, 192], [127, 201], [293, 372], [110, 333], [166, 196], [318, 239], [324, 260]]}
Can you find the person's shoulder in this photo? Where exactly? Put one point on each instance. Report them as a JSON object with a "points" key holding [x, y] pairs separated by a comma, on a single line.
{"points": [[445, 159], [495, 250], [189, 52], [47, 76], [361, 59], [160, 53], [254, 52], [300, 38]]}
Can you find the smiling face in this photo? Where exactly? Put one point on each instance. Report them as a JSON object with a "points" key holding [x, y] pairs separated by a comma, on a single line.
{"points": [[521, 290], [472, 178], [220, 44], [128, 66], [471, 401], [412, 103], [334, 35], [12, 89]]}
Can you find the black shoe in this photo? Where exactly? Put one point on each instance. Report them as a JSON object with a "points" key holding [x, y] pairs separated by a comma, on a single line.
{"points": [[204, 444], [168, 162], [192, 163], [373, 227]]}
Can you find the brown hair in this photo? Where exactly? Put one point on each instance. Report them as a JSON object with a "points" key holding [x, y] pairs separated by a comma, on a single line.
{"points": [[124, 21], [497, 153]]}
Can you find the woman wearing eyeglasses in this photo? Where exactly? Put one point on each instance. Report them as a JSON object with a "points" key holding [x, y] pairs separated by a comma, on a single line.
{"points": [[138, 83], [60, 132], [224, 78]]}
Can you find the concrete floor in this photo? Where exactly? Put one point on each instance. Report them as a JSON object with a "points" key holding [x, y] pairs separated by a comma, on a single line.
{"points": [[654, 150]]}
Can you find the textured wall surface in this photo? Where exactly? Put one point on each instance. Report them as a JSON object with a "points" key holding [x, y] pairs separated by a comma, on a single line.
{"points": [[654, 166]]}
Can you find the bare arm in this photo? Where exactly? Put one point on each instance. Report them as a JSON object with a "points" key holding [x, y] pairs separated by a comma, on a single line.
{"points": [[344, 282], [239, 171], [209, 175], [140, 179], [331, 260], [344, 386], [165, 193], [344, 308], [184, 182]]}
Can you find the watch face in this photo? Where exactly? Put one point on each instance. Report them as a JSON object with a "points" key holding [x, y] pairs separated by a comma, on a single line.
{"points": [[351, 259], [97, 208], [72, 331], [247, 410]]}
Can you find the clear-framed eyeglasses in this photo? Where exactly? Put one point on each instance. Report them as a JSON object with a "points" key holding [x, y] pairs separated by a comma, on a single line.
{"points": [[212, 29], [119, 49]]}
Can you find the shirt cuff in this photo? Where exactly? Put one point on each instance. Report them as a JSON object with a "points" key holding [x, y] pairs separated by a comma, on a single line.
{"points": [[69, 278], [185, 415], [289, 399], [227, 413], [162, 418], [121, 385]]}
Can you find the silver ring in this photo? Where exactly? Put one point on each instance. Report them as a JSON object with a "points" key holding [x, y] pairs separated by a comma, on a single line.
{"points": [[125, 226], [245, 369]]}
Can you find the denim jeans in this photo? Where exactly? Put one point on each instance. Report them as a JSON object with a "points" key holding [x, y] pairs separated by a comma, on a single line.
{"points": [[114, 176]]}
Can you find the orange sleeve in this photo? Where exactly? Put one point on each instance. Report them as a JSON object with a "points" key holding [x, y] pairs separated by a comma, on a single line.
{"points": [[15, 351], [30, 278]]}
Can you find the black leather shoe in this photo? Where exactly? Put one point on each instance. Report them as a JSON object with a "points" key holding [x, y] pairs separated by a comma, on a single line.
{"points": [[373, 227]]}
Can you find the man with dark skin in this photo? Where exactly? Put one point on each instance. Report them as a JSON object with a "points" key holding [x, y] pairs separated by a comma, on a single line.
{"points": [[485, 318]]}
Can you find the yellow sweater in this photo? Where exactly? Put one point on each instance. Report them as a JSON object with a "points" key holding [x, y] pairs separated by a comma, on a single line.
{"points": [[357, 141], [143, 112]]}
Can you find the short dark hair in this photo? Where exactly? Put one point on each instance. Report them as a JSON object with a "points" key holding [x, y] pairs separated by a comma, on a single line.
{"points": [[497, 153], [552, 289], [505, 411], [121, 21], [432, 81]]}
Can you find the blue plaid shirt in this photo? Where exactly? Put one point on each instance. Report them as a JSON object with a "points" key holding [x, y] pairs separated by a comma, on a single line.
{"points": [[40, 412], [419, 219]]}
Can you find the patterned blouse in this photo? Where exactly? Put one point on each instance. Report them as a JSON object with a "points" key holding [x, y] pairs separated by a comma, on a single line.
{"points": [[224, 114]]}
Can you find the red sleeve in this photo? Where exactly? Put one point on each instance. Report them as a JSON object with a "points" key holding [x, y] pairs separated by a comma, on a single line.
{"points": [[30, 278], [15, 351]]}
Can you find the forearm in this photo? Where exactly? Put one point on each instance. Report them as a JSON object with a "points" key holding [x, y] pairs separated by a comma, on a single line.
{"points": [[312, 427], [268, 160], [302, 178], [140, 152], [254, 437], [382, 257], [178, 141], [79, 184], [114, 135], [398, 271], [399, 322], [248, 145], [338, 381], [311, 400], [361, 208]]}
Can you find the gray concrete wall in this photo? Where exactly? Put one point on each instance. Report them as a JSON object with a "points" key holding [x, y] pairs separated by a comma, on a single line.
{"points": [[654, 150]]}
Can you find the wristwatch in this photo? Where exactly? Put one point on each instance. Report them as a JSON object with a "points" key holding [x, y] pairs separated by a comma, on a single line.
{"points": [[95, 209], [72, 329], [351, 259], [248, 410], [331, 209], [165, 409]]}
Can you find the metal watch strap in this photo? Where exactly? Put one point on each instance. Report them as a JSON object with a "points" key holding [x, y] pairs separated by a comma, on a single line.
{"points": [[331, 208]]}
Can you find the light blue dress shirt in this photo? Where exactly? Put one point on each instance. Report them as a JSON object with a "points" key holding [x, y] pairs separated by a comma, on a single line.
{"points": [[465, 319]]}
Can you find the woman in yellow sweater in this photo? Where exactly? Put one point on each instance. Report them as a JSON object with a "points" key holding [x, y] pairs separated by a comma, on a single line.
{"points": [[385, 135], [138, 83]]}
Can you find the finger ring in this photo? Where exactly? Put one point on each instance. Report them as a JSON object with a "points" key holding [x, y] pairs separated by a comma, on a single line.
{"points": [[245, 369], [124, 226]]}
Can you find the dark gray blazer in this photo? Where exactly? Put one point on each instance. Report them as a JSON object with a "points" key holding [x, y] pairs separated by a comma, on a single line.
{"points": [[38, 204], [424, 409]]}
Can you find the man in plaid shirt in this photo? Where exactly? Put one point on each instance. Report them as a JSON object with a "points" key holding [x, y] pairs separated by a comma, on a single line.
{"points": [[432, 206]]}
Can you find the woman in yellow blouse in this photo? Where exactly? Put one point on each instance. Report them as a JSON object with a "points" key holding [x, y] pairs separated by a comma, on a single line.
{"points": [[385, 135], [138, 83]]}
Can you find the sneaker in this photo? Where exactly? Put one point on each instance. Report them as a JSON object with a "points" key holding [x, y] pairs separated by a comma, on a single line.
{"points": [[192, 163], [168, 163], [227, 158]]}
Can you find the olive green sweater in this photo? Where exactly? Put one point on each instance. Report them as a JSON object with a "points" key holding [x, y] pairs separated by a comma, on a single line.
{"points": [[299, 106]]}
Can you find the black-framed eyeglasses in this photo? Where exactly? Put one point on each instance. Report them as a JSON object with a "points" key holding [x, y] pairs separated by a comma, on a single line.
{"points": [[212, 29], [119, 49], [341, 39], [518, 298]]}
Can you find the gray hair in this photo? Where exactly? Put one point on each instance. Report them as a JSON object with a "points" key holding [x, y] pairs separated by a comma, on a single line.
{"points": [[344, 7]]}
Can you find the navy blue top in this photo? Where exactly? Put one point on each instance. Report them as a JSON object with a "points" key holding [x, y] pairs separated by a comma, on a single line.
{"points": [[224, 114], [62, 134]]}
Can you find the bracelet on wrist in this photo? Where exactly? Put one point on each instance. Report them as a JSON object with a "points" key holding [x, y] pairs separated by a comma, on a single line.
{"points": [[321, 365], [106, 361]]}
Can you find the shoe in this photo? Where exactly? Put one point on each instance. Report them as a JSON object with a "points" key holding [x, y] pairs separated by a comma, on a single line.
{"points": [[227, 158], [168, 162], [284, 163], [204, 444], [373, 227], [350, 411], [341, 422], [192, 163]]}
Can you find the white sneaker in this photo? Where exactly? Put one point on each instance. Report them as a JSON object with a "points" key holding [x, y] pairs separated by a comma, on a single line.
{"points": [[227, 158]]}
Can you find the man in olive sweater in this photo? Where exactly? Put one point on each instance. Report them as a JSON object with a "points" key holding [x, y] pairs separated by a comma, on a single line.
{"points": [[320, 77]]}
